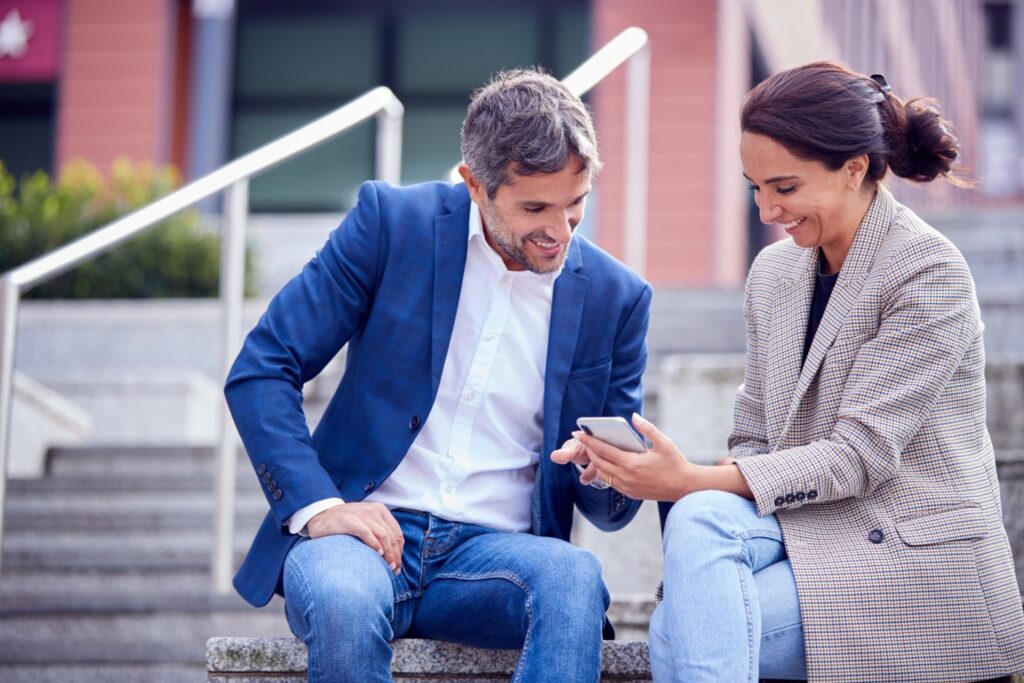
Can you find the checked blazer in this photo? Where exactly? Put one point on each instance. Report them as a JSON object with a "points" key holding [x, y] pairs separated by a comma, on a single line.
{"points": [[875, 457]]}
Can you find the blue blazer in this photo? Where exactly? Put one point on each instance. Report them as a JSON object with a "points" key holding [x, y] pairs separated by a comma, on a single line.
{"points": [[387, 283]]}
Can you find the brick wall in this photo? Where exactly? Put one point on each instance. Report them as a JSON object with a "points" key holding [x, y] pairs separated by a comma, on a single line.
{"points": [[117, 81], [681, 200]]}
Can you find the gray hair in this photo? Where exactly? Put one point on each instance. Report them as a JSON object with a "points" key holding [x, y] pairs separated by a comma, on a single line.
{"points": [[526, 121]]}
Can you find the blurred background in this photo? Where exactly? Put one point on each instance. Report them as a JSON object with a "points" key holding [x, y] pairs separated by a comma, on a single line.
{"points": [[106, 105]]}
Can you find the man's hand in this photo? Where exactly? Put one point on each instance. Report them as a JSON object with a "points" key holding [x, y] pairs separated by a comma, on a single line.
{"points": [[371, 523], [574, 452]]}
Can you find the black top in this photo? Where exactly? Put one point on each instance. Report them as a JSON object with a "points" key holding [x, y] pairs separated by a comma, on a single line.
{"points": [[822, 292]]}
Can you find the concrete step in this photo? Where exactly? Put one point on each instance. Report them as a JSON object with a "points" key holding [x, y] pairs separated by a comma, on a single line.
{"points": [[95, 591], [128, 638], [192, 463], [102, 673], [189, 550], [125, 512], [105, 482]]}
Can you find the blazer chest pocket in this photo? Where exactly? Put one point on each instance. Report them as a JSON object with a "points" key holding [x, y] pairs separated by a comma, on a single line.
{"points": [[589, 371], [958, 524]]}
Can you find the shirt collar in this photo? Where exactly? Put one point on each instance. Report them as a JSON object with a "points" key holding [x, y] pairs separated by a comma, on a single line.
{"points": [[476, 233]]}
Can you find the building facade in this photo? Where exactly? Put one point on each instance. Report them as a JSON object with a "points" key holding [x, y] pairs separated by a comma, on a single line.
{"points": [[196, 83]]}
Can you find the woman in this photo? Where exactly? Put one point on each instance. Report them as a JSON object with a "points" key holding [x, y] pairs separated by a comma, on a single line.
{"points": [[855, 532]]}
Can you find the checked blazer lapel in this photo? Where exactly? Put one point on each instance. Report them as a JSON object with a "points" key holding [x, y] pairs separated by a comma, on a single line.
{"points": [[854, 272], [790, 310], [451, 242]]}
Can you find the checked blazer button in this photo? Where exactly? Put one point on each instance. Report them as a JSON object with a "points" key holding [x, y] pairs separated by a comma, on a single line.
{"points": [[779, 501], [876, 536]]}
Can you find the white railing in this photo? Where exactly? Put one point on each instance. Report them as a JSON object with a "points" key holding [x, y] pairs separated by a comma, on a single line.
{"points": [[633, 48], [233, 179]]}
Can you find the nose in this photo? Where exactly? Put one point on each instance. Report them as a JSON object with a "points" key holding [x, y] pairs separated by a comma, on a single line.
{"points": [[563, 229], [770, 212]]}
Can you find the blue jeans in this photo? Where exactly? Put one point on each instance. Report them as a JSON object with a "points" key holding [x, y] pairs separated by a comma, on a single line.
{"points": [[459, 582], [730, 611]]}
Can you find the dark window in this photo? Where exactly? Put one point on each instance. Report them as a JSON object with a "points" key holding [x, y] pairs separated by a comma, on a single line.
{"points": [[292, 66], [26, 127]]}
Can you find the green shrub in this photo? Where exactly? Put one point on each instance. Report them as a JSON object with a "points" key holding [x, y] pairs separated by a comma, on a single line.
{"points": [[178, 258]]}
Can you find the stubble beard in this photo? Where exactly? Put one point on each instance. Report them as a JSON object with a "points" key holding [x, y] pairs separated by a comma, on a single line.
{"points": [[514, 247]]}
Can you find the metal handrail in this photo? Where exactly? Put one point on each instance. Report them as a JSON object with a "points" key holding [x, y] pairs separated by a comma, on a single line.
{"points": [[233, 178], [632, 46]]}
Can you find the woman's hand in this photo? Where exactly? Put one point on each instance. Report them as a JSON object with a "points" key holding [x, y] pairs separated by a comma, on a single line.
{"points": [[661, 473]]}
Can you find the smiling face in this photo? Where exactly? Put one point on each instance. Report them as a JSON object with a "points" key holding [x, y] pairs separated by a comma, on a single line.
{"points": [[530, 220], [816, 207]]}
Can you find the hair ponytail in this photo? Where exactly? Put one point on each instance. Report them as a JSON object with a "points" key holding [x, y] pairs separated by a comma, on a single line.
{"points": [[920, 144]]}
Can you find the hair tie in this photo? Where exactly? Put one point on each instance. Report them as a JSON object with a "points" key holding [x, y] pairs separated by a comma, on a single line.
{"points": [[883, 85]]}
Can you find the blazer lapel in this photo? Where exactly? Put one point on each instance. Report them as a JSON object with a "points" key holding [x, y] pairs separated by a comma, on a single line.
{"points": [[790, 311], [451, 240], [570, 292], [866, 243]]}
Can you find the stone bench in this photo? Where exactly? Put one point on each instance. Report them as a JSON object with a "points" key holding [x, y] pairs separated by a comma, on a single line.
{"points": [[283, 660]]}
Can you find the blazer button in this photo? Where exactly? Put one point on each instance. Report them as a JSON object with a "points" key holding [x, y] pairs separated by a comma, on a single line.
{"points": [[812, 494], [790, 498], [277, 494], [369, 486], [876, 536], [261, 469], [266, 477], [779, 501], [414, 423], [800, 495], [272, 486]]}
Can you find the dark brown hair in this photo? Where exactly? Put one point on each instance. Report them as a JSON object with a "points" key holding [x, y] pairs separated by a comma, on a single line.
{"points": [[827, 113]]}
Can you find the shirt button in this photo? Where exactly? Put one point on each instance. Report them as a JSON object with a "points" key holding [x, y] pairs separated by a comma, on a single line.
{"points": [[449, 488], [414, 423], [469, 396], [876, 536], [489, 336]]}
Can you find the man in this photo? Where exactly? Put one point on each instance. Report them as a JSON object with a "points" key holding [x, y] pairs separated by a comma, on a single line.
{"points": [[478, 330]]}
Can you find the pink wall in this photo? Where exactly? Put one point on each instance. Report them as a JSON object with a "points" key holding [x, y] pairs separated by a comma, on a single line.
{"points": [[114, 93], [680, 242]]}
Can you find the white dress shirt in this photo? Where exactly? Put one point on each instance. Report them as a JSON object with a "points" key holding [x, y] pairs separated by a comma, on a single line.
{"points": [[475, 457]]}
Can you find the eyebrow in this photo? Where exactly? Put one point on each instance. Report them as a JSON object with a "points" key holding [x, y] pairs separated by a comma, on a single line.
{"points": [[776, 179], [532, 202]]}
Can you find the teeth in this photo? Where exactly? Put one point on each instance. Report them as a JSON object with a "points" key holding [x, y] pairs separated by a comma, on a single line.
{"points": [[795, 223]]}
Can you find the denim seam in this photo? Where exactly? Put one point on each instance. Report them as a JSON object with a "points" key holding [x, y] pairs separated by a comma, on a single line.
{"points": [[771, 534], [751, 665], [515, 581], [313, 663]]}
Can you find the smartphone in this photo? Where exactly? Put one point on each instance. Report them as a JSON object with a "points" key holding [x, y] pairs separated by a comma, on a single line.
{"points": [[615, 431]]}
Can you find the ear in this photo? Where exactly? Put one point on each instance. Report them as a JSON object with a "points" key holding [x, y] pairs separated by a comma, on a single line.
{"points": [[477, 191], [855, 169]]}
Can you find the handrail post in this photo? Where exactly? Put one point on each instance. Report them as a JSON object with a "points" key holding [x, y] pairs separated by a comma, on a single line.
{"points": [[232, 295], [9, 295], [638, 94], [389, 143]]}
